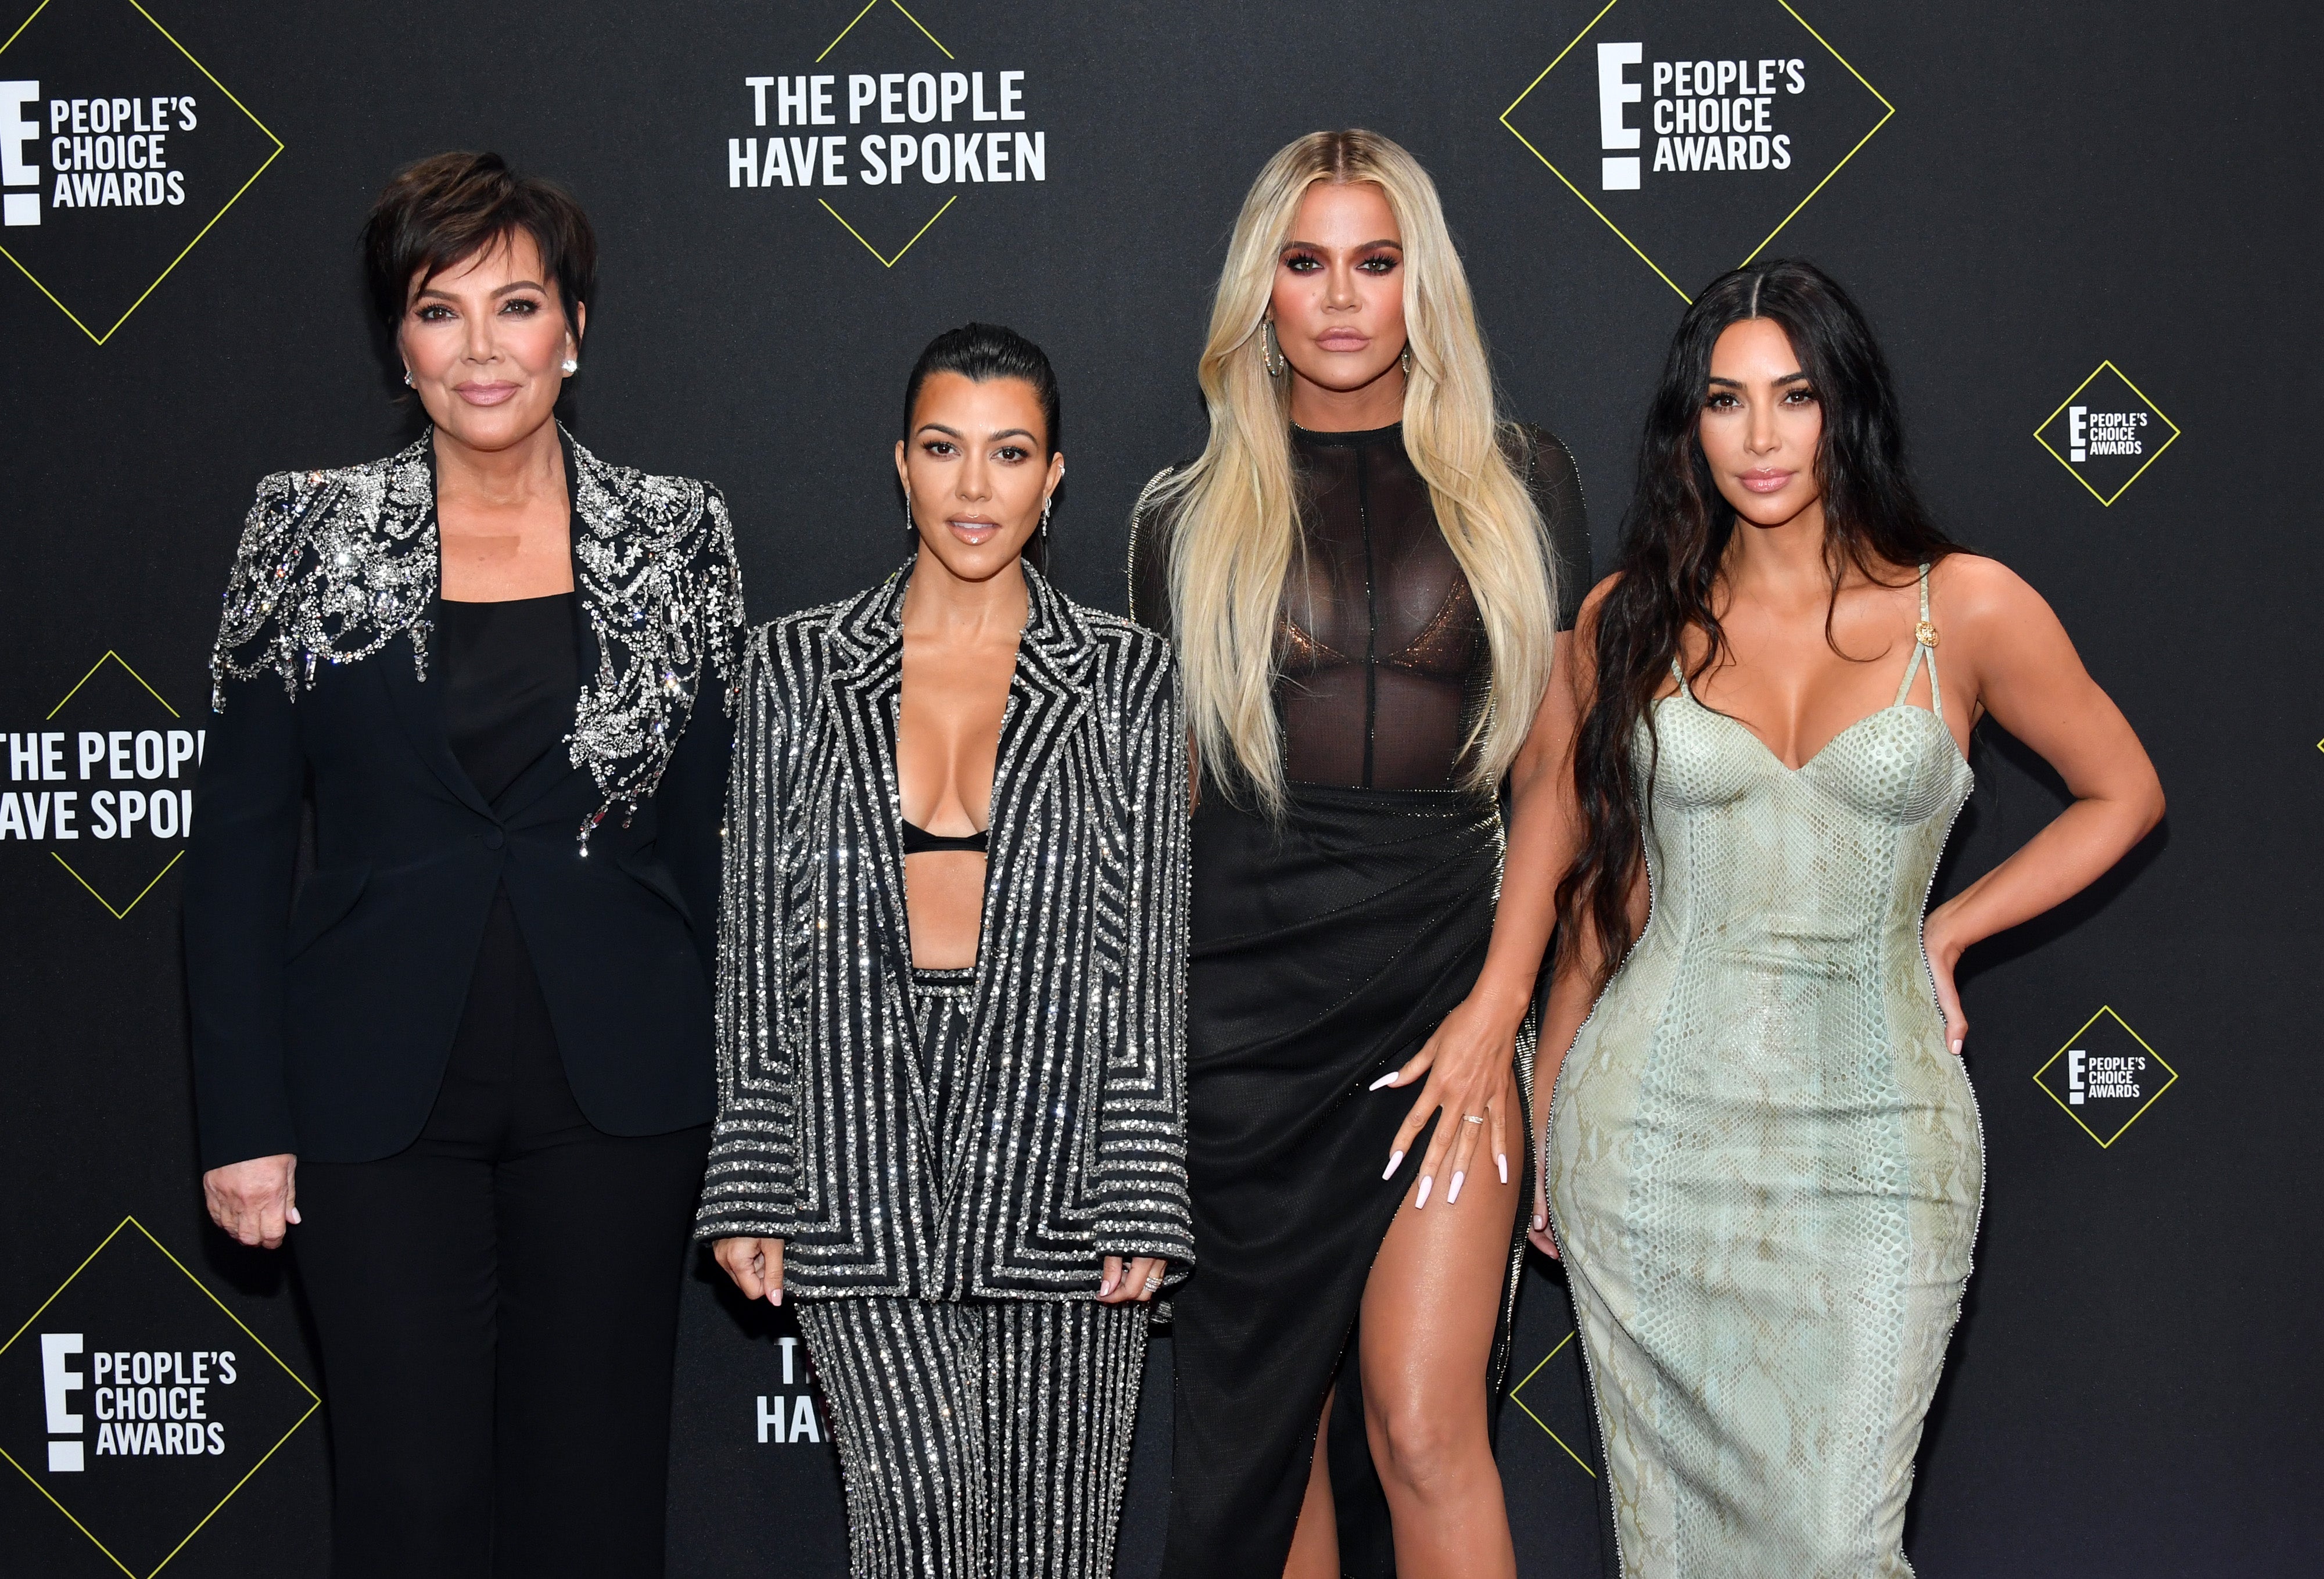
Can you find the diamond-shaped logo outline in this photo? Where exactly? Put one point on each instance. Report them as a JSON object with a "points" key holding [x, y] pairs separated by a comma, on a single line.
{"points": [[2107, 499], [886, 261], [1886, 111], [173, 265], [2106, 1012], [111, 656], [314, 1401], [1537, 1419]]}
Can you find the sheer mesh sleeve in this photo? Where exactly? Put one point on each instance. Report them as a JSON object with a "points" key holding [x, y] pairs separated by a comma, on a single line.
{"points": [[1555, 483]]}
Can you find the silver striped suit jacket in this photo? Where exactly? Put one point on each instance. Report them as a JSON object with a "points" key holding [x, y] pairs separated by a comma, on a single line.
{"points": [[1077, 1048]]}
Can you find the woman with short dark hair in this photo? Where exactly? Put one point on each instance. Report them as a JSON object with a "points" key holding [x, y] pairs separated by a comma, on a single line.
{"points": [[470, 1061], [952, 980]]}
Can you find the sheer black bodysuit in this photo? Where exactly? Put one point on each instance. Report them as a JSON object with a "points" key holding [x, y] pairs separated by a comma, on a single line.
{"points": [[1382, 661], [1325, 946]]}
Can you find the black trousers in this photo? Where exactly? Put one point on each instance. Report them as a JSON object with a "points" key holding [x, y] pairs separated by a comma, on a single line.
{"points": [[498, 1310]]}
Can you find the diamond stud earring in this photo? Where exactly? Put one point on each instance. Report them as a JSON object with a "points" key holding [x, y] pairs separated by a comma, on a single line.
{"points": [[570, 366]]}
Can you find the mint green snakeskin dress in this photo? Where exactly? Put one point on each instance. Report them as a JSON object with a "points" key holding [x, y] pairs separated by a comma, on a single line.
{"points": [[1765, 1166]]}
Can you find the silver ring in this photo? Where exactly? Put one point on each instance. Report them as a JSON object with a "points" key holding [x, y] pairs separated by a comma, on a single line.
{"points": [[1471, 1119], [1152, 1284]]}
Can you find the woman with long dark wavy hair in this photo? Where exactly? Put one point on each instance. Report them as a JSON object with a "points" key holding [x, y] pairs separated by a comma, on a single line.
{"points": [[1762, 1159]]}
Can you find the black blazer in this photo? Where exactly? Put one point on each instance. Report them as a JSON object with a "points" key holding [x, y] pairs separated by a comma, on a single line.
{"points": [[321, 1025]]}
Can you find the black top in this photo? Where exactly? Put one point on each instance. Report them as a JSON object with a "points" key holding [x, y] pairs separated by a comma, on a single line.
{"points": [[919, 840], [510, 682], [1381, 657]]}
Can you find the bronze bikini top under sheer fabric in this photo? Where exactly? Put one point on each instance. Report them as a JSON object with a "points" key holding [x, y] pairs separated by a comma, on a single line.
{"points": [[1382, 658]]}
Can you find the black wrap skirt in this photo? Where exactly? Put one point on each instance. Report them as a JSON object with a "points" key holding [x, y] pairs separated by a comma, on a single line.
{"points": [[1324, 954]]}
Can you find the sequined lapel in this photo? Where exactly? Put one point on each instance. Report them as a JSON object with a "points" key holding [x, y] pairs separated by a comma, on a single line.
{"points": [[1047, 696], [334, 566], [862, 697]]}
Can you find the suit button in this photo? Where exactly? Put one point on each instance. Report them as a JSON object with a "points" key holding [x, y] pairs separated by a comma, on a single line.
{"points": [[494, 839]]}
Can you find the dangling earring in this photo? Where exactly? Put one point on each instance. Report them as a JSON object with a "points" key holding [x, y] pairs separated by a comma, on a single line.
{"points": [[569, 366], [1044, 518], [1403, 360], [1271, 349], [911, 527]]}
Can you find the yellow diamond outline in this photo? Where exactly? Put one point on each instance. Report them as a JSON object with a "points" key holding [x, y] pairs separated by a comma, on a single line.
{"points": [[1537, 1419], [114, 657], [885, 261], [314, 1401], [1887, 112], [204, 230], [2106, 1012], [2107, 500], [110, 655]]}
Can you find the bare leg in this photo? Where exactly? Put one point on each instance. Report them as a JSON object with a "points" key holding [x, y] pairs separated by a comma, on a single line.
{"points": [[1315, 1542], [1429, 1308]]}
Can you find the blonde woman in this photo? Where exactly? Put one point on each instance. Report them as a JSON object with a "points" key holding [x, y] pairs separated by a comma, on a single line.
{"points": [[1365, 574]]}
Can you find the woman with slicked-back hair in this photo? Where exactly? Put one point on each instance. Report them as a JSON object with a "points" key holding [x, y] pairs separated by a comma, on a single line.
{"points": [[1764, 1165], [953, 955], [1366, 574], [464, 1062]]}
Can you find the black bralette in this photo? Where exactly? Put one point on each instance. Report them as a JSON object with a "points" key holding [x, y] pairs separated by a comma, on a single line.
{"points": [[919, 840]]}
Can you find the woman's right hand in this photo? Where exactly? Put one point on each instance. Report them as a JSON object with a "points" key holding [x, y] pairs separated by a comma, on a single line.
{"points": [[257, 1200], [755, 1264]]}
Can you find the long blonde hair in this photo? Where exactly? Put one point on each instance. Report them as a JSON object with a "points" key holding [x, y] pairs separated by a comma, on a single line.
{"points": [[1235, 510]]}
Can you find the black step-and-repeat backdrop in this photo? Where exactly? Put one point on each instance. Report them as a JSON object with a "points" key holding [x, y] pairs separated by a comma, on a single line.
{"points": [[2087, 232]]}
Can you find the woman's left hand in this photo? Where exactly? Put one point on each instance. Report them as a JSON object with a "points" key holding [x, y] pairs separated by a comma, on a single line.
{"points": [[1136, 1285], [1470, 1063], [1944, 952]]}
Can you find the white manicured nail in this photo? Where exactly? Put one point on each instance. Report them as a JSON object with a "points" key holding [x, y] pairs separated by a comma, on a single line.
{"points": [[1957, 1047], [1503, 1163], [1386, 1079], [1393, 1158], [1454, 1193], [1539, 1221], [1422, 1200]]}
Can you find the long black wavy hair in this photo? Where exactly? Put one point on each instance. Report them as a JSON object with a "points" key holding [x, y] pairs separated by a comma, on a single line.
{"points": [[1675, 540]]}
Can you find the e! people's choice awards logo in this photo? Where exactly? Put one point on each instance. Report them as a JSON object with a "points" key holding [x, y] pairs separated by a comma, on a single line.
{"points": [[903, 146], [138, 1404], [1696, 129], [118, 151], [103, 786], [2106, 1076], [2107, 433]]}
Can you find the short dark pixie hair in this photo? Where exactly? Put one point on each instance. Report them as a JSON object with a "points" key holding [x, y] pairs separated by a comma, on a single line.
{"points": [[982, 353], [446, 209]]}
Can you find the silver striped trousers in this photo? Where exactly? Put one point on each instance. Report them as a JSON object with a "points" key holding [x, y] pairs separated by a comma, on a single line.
{"points": [[983, 1439], [980, 1441]]}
